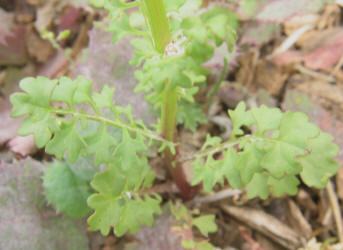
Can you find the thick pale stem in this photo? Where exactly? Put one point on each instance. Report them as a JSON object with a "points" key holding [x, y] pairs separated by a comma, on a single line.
{"points": [[156, 20], [168, 114]]}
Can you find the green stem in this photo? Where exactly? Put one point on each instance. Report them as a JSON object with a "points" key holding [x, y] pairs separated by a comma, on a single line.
{"points": [[115, 123], [168, 113], [156, 20], [233, 142]]}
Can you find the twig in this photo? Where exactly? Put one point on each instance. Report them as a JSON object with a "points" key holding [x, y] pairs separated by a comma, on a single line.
{"points": [[314, 74], [212, 150], [221, 195], [291, 40], [254, 245], [336, 210]]}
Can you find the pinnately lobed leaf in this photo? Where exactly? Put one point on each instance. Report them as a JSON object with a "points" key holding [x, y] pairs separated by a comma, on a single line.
{"points": [[280, 147], [117, 202], [60, 130]]}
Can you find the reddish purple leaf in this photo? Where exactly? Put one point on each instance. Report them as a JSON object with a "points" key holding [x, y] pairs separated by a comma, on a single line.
{"points": [[8, 125], [260, 33], [6, 24], [324, 51], [69, 20], [282, 10], [26, 221], [328, 53], [23, 145]]}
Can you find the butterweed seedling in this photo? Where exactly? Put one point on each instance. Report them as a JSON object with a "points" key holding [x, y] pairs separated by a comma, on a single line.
{"points": [[170, 46]]}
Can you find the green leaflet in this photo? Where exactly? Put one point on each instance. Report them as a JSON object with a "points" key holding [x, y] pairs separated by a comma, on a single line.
{"points": [[206, 224], [240, 117], [71, 131], [115, 7], [122, 28], [97, 3], [137, 213], [66, 191], [190, 115], [283, 146], [106, 204], [114, 206], [211, 171], [186, 220], [100, 145], [318, 164], [66, 139], [173, 5]]}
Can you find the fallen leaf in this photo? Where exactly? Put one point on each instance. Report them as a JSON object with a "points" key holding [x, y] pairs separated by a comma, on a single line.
{"points": [[54, 65], [328, 53], [281, 10], [69, 19], [270, 76], [8, 125], [47, 12], [6, 25], [159, 236], [13, 51], [23, 145], [26, 221], [39, 48], [320, 50], [260, 33]]}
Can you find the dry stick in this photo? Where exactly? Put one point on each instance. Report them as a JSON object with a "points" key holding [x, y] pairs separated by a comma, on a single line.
{"points": [[221, 195], [336, 210], [314, 74], [291, 40]]}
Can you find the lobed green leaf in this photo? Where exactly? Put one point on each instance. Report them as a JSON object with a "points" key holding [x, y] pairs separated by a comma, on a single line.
{"points": [[66, 191], [281, 147], [64, 131], [114, 206]]}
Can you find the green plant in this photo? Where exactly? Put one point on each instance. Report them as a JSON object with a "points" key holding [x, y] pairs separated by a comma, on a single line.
{"points": [[186, 221], [267, 151]]}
